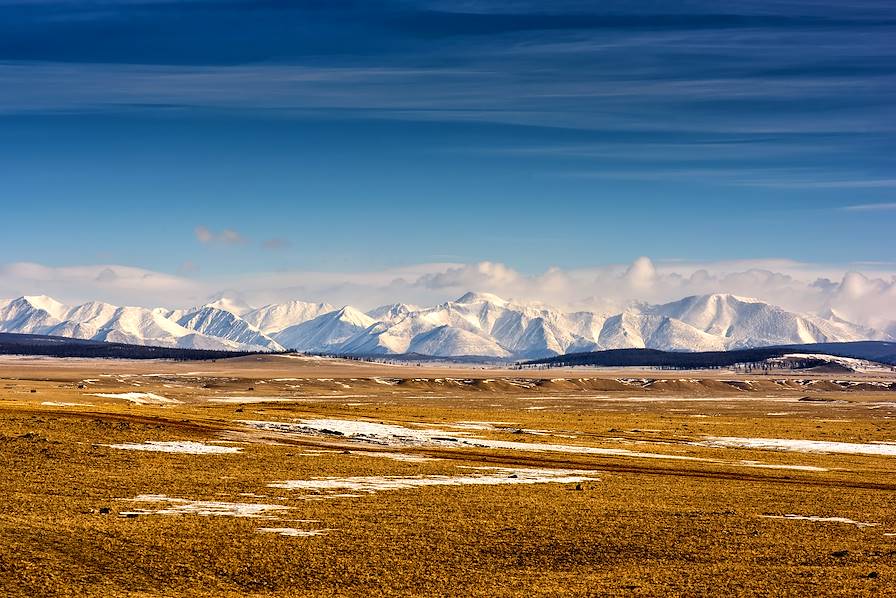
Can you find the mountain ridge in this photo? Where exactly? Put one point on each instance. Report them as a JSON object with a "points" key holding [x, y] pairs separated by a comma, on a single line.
{"points": [[476, 324]]}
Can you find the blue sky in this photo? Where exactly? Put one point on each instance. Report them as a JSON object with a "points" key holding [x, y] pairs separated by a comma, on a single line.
{"points": [[367, 136]]}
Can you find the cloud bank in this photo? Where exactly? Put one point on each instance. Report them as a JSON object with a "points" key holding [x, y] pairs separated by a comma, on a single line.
{"points": [[867, 297]]}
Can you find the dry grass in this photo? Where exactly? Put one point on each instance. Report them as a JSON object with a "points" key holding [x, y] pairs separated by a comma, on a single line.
{"points": [[644, 527]]}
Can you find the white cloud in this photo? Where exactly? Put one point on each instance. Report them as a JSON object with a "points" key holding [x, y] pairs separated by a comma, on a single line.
{"points": [[203, 235], [117, 284], [867, 297], [641, 274], [231, 237], [228, 236]]}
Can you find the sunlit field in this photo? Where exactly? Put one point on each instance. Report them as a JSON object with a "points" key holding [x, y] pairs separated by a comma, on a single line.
{"points": [[302, 476]]}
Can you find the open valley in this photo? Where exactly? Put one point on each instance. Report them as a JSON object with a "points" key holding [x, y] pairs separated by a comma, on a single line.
{"points": [[306, 476]]}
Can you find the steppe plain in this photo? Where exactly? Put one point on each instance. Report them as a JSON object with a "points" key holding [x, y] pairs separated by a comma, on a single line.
{"points": [[294, 476]]}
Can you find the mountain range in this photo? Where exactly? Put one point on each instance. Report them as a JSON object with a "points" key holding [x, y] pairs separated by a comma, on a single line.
{"points": [[476, 324]]}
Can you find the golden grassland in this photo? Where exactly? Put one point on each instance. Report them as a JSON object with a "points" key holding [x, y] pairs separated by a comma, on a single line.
{"points": [[705, 525]]}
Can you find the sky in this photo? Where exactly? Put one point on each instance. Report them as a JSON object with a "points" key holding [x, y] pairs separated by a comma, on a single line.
{"points": [[160, 152]]}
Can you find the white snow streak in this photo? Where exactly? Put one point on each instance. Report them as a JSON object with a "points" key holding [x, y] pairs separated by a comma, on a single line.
{"points": [[140, 398], [801, 446], [205, 508], [177, 446], [821, 519], [394, 435], [494, 476], [293, 532], [252, 400]]}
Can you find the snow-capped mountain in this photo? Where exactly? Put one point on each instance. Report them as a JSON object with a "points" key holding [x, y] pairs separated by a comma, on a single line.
{"points": [[232, 304], [326, 332], [392, 313], [104, 322], [486, 325], [276, 317], [476, 324], [223, 324], [446, 341], [742, 322], [890, 330], [31, 315]]}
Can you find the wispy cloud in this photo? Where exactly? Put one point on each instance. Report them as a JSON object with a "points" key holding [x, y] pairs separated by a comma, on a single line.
{"points": [[483, 91], [731, 173], [798, 66], [227, 236], [871, 207], [203, 234], [820, 183]]}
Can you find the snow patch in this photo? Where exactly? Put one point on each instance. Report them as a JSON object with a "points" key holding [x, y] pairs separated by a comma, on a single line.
{"points": [[394, 435], [815, 518], [204, 508], [140, 398], [781, 466], [252, 400], [801, 446], [398, 456], [387, 382], [490, 476], [177, 446], [293, 532]]}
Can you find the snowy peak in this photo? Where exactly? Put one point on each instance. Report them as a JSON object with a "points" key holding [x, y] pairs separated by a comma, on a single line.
{"points": [[393, 312], [276, 317], [31, 315], [743, 322], [48, 304], [233, 305], [446, 341], [472, 297], [675, 335], [103, 322], [325, 332], [477, 324], [94, 310], [713, 314], [484, 324], [224, 324], [350, 315]]}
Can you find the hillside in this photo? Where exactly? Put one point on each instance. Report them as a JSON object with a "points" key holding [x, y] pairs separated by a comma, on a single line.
{"points": [[872, 351], [55, 346]]}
